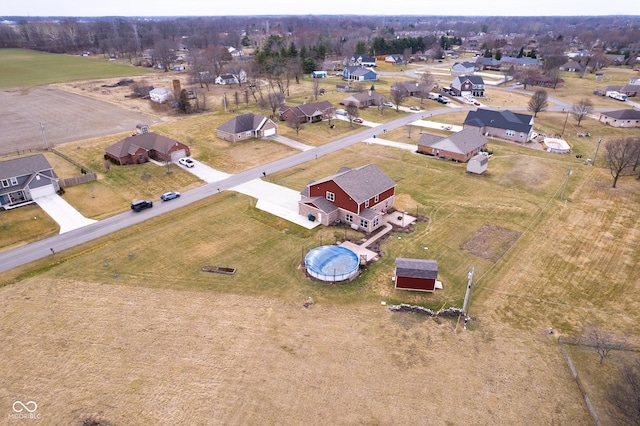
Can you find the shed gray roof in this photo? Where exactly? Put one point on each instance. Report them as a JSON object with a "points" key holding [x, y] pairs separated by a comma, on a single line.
{"points": [[462, 142], [242, 123], [416, 268], [362, 183], [506, 119], [23, 166]]}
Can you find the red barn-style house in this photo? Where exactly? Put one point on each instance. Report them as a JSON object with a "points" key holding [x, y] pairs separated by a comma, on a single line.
{"points": [[416, 274], [360, 197]]}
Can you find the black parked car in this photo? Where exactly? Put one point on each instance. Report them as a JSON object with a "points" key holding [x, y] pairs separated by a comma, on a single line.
{"points": [[139, 205]]}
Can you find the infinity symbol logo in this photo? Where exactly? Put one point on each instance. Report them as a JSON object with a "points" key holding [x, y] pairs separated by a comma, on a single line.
{"points": [[22, 406]]}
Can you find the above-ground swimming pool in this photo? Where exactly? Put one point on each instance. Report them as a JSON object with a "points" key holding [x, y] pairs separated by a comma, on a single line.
{"points": [[558, 146], [332, 263]]}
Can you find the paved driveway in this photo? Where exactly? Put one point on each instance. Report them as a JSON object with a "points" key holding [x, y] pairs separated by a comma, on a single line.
{"points": [[272, 198], [62, 212]]}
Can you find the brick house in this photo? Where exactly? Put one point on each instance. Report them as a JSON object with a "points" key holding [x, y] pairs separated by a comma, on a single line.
{"points": [[359, 197], [460, 146], [468, 85], [139, 148], [247, 126], [26, 178], [505, 124], [307, 113], [621, 118], [365, 99]]}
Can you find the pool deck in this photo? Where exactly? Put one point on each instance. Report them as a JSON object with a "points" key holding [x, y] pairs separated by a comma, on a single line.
{"points": [[400, 219]]}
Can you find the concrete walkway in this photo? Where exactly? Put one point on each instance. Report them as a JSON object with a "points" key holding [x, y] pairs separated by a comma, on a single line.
{"points": [[290, 142], [63, 213]]}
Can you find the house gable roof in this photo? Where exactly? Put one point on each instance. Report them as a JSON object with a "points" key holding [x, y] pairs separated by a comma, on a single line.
{"points": [[519, 61], [623, 114], [23, 166], [474, 79], [463, 66], [146, 141], [362, 183], [314, 108], [364, 96], [359, 71], [243, 123], [416, 268], [462, 142], [321, 204], [506, 119]]}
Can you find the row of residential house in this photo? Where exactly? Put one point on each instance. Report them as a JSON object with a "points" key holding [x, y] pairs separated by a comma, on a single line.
{"points": [[631, 90]]}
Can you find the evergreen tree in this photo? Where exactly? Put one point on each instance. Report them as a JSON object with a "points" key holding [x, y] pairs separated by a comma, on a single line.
{"points": [[184, 105]]}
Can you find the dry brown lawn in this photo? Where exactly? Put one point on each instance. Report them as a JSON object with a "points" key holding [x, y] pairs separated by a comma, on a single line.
{"points": [[164, 343], [139, 356]]}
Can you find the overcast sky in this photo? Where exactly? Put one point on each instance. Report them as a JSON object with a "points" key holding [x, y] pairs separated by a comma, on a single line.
{"points": [[323, 7]]}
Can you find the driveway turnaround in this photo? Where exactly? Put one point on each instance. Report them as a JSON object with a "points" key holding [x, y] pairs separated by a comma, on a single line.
{"points": [[272, 198], [62, 212]]}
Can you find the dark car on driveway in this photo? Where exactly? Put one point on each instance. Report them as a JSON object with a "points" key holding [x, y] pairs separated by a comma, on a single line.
{"points": [[140, 205]]}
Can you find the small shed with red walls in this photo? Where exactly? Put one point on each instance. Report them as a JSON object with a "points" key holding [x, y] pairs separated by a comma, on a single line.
{"points": [[416, 274]]}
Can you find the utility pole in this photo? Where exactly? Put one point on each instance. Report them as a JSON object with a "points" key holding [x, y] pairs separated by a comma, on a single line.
{"points": [[44, 137], [565, 125], [593, 163], [566, 181], [467, 295]]}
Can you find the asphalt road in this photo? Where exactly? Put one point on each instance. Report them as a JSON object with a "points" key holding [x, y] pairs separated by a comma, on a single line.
{"points": [[40, 249]]}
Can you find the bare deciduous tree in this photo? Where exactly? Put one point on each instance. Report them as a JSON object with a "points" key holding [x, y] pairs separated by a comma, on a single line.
{"points": [[582, 109], [603, 343], [624, 395], [538, 102], [554, 75], [352, 112], [316, 88], [272, 100], [427, 82], [294, 123], [398, 94], [622, 156]]}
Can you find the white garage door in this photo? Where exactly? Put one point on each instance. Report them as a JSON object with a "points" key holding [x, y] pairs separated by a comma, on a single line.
{"points": [[269, 132], [176, 155], [42, 191]]}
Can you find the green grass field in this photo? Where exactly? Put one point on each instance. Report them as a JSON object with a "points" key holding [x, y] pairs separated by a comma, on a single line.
{"points": [[26, 68]]}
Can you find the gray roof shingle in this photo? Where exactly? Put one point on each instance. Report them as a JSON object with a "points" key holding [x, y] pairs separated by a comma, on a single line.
{"points": [[506, 119], [146, 141], [416, 268], [623, 114], [362, 183], [462, 142], [242, 123], [23, 166]]}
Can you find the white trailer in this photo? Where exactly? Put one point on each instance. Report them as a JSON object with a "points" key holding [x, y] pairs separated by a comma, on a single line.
{"points": [[618, 96]]}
